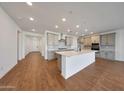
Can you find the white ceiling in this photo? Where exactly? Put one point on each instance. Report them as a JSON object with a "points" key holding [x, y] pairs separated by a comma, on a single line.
{"points": [[95, 16]]}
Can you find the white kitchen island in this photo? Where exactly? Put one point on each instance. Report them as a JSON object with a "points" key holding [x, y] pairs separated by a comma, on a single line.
{"points": [[73, 62]]}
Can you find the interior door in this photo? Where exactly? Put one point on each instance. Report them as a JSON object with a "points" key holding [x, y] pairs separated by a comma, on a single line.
{"points": [[36, 44], [32, 44]]}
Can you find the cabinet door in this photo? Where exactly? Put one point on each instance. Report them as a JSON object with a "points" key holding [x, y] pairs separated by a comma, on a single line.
{"points": [[88, 41], [52, 39], [82, 40], [107, 55], [103, 39], [108, 39], [51, 55], [85, 41], [49, 39], [95, 39], [103, 54], [56, 42], [69, 41], [110, 55], [111, 39]]}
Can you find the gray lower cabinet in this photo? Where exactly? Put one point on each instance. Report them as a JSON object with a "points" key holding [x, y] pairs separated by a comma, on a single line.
{"points": [[107, 55], [111, 55], [103, 54], [51, 55]]}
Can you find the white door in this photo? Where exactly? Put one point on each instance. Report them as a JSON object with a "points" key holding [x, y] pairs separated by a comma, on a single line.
{"points": [[32, 44], [36, 44]]}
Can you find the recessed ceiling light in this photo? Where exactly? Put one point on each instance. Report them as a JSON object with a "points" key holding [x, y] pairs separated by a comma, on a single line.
{"points": [[31, 18], [63, 19], [86, 30], [77, 26], [56, 26], [33, 30], [68, 30], [91, 32], [29, 3]]}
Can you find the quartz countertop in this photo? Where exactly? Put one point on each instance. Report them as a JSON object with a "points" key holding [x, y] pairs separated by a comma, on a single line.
{"points": [[73, 53]]}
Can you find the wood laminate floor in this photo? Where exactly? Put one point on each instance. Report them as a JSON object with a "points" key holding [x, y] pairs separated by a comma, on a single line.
{"points": [[34, 73]]}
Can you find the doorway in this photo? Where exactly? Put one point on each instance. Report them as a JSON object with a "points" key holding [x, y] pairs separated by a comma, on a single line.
{"points": [[33, 44]]}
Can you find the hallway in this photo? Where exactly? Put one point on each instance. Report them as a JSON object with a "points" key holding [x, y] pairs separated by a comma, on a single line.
{"points": [[34, 73]]}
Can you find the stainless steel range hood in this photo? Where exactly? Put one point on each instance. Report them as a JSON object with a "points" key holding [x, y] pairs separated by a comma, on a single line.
{"points": [[61, 38]]}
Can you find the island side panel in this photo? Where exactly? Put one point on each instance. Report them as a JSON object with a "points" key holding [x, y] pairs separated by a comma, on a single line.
{"points": [[73, 64], [63, 66]]}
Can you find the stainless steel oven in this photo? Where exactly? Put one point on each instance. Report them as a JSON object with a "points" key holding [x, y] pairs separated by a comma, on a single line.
{"points": [[95, 46]]}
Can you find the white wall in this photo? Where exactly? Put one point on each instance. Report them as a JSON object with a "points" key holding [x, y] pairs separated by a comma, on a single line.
{"points": [[8, 43], [119, 48]]}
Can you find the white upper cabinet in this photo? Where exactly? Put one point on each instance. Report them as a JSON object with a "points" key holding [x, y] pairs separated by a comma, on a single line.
{"points": [[52, 39]]}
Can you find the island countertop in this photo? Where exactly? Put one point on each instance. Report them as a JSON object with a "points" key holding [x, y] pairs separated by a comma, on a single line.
{"points": [[73, 53]]}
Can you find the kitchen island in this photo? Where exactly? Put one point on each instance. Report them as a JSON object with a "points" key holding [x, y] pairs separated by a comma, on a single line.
{"points": [[73, 62]]}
